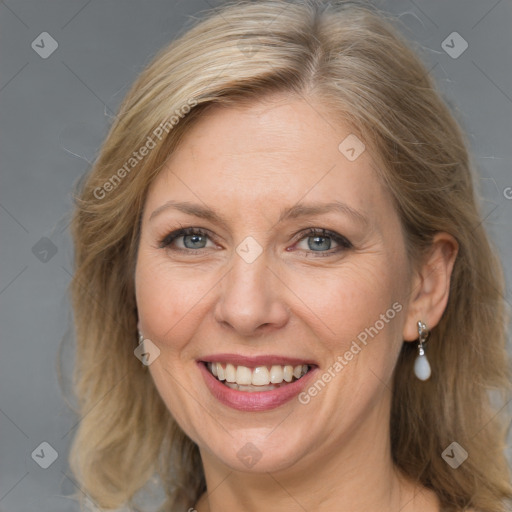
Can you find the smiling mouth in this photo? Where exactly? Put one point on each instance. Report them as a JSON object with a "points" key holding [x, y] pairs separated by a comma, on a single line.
{"points": [[260, 378]]}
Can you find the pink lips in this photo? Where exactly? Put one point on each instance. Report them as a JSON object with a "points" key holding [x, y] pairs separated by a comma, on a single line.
{"points": [[258, 400]]}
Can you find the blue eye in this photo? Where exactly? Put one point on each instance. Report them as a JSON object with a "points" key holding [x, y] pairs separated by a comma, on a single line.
{"points": [[323, 241], [194, 241], [187, 238], [319, 243], [315, 240]]}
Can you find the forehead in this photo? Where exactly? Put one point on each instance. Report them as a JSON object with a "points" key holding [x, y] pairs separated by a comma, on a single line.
{"points": [[274, 152]]}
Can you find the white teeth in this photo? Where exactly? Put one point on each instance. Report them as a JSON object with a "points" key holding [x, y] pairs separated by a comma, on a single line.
{"points": [[230, 373], [221, 374], [243, 375], [260, 376], [276, 374]]}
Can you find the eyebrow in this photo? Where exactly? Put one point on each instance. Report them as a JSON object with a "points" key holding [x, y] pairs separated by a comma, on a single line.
{"points": [[296, 211], [197, 210], [303, 210]]}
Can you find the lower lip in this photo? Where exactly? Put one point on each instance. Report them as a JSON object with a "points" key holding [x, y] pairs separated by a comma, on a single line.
{"points": [[256, 400]]}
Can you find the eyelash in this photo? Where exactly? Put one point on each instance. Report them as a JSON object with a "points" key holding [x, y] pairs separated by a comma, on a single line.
{"points": [[342, 242], [168, 239]]}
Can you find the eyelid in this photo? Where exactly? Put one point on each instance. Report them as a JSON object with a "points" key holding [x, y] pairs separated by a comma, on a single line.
{"points": [[342, 241], [167, 240]]}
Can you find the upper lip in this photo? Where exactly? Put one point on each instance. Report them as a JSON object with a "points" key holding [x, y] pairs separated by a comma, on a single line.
{"points": [[254, 361]]}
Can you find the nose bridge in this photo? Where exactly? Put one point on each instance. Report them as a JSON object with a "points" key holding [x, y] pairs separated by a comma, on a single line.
{"points": [[250, 298]]}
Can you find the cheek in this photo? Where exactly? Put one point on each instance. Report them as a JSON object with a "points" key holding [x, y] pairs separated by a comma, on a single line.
{"points": [[169, 298], [357, 311], [169, 301], [348, 300]]}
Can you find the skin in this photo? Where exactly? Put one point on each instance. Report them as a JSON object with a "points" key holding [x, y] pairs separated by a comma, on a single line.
{"points": [[249, 163]]}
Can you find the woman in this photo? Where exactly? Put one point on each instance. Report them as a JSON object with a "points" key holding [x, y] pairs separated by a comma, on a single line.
{"points": [[280, 259]]}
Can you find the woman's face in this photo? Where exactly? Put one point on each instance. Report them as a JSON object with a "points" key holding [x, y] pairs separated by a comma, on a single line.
{"points": [[292, 259]]}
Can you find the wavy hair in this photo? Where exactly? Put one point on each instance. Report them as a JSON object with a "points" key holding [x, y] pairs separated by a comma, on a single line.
{"points": [[351, 58]]}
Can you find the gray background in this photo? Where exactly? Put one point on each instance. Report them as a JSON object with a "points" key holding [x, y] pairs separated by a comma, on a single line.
{"points": [[54, 113]]}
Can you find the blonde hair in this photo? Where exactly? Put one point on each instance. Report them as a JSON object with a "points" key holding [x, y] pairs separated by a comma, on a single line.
{"points": [[352, 60]]}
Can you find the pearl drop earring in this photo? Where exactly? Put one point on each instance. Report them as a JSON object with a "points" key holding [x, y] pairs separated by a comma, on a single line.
{"points": [[421, 365]]}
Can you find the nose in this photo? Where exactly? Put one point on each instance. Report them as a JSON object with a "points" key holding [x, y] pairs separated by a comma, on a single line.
{"points": [[251, 301]]}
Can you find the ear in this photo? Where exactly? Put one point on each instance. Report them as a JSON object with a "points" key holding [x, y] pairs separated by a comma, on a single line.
{"points": [[430, 286]]}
